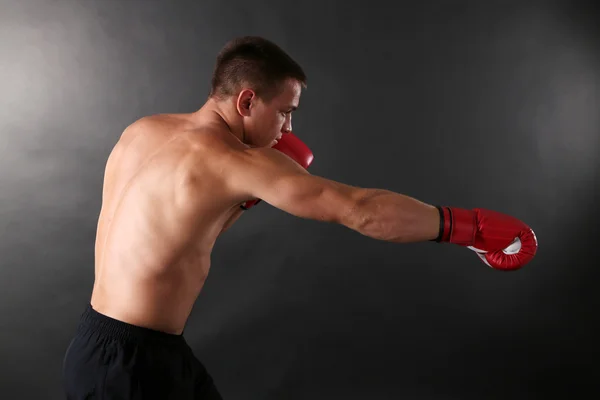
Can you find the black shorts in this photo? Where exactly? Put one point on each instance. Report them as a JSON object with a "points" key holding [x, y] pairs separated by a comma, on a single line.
{"points": [[109, 359]]}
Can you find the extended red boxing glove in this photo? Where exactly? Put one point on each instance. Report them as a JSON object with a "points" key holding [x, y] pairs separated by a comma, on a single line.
{"points": [[501, 241], [290, 145]]}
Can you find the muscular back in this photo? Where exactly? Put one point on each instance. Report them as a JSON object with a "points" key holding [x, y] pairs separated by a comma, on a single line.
{"points": [[164, 204]]}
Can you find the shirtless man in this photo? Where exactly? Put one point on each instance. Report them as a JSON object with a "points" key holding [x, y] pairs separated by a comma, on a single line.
{"points": [[174, 183]]}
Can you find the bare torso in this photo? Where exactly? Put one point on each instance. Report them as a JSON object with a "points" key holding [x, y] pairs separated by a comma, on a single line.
{"points": [[163, 207]]}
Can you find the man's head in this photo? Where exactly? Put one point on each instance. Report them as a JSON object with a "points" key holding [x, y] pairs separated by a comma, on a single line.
{"points": [[262, 83]]}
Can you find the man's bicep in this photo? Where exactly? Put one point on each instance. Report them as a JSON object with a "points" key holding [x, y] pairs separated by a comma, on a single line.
{"points": [[313, 197], [268, 175], [251, 174]]}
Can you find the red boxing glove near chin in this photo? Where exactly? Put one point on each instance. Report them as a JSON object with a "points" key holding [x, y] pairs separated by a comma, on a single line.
{"points": [[501, 241], [290, 145]]}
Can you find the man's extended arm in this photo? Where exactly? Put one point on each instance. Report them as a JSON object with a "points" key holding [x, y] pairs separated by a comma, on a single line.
{"points": [[501, 241]]}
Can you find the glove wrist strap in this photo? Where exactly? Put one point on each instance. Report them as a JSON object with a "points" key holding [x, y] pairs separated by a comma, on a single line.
{"points": [[445, 224], [441, 232]]}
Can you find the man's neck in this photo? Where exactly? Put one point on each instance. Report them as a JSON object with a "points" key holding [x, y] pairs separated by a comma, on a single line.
{"points": [[222, 111]]}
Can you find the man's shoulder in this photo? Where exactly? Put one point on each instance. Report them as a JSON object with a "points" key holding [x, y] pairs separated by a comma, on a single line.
{"points": [[180, 125], [204, 140], [212, 137], [156, 122]]}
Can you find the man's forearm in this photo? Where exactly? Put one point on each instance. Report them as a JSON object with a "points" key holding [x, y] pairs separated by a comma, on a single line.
{"points": [[385, 215]]}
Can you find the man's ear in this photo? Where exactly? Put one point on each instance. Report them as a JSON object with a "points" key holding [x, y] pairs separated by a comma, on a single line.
{"points": [[245, 101]]}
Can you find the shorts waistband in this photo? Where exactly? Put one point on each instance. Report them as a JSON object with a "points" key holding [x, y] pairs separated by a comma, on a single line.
{"points": [[92, 320]]}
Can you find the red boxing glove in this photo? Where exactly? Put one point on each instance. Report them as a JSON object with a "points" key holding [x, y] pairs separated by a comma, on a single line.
{"points": [[290, 145], [501, 241]]}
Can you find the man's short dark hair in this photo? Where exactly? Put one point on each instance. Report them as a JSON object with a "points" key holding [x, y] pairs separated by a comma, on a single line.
{"points": [[256, 63]]}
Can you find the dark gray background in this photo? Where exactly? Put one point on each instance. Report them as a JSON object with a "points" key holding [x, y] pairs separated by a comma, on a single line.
{"points": [[471, 104]]}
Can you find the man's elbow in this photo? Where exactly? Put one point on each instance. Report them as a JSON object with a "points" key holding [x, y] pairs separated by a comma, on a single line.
{"points": [[352, 214], [361, 215], [232, 220]]}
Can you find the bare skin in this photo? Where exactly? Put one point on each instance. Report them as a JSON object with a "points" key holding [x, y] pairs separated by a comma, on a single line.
{"points": [[174, 183]]}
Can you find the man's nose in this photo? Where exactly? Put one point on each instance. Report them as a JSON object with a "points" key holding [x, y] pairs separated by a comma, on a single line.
{"points": [[287, 127]]}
